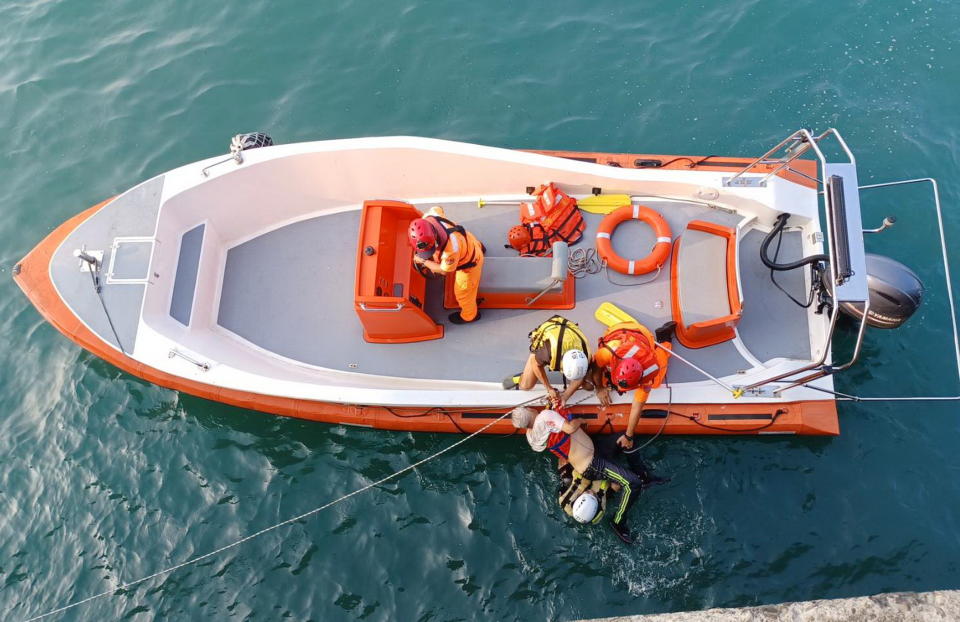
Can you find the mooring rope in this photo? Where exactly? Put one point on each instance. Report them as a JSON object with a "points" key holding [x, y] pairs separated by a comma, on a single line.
{"points": [[256, 534]]}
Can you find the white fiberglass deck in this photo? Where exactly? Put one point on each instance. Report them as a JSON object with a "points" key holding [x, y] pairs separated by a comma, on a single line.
{"points": [[290, 292]]}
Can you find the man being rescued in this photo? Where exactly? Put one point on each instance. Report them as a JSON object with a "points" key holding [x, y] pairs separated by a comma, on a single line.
{"points": [[557, 344], [628, 358], [563, 436], [444, 247]]}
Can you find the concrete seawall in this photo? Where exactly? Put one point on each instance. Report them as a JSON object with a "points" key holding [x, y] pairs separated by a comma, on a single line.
{"points": [[935, 606]]}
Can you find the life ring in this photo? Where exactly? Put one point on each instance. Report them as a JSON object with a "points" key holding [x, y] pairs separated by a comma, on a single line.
{"points": [[657, 256]]}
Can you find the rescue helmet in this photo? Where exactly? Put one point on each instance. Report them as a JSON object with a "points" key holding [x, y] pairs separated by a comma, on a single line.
{"points": [[522, 416], [585, 507], [518, 237], [574, 364], [422, 236], [627, 374]]}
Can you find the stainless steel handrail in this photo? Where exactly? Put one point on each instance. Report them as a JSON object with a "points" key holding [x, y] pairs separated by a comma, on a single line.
{"points": [[948, 280], [174, 352], [763, 159], [805, 134], [811, 142]]}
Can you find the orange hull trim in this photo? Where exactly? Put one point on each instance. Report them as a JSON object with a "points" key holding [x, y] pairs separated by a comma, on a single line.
{"points": [[673, 162], [809, 417]]}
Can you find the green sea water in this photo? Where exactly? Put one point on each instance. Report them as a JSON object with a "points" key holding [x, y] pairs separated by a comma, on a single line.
{"points": [[105, 478]]}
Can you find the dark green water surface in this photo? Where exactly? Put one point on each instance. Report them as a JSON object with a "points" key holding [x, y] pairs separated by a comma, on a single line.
{"points": [[105, 478]]}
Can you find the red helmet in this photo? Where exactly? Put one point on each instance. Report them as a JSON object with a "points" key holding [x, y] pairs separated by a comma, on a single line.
{"points": [[627, 374], [518, 237], [422, 235]]}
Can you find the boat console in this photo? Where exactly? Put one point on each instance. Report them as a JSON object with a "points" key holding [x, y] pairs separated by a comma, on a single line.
{"points": [[390, 292]]}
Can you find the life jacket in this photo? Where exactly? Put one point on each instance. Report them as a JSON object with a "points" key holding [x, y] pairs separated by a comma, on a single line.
{"points": [[635, 341], [540, 244], [562, 334], [559, 442], [556, 215], [575, 484], [445, 229]]}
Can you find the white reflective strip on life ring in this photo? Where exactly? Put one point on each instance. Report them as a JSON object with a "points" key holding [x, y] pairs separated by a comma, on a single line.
{"points": [[633, 350], [530, 209], [630, 267], [636, 211], [664, 239], [603, 234], [650, 370]]}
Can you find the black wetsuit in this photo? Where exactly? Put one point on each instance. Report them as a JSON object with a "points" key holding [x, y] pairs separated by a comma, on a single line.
{"points": [[631, 480]]}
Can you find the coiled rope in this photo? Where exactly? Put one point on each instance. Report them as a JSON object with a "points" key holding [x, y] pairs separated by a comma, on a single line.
{"points": [[256, 534], [583, 262]]}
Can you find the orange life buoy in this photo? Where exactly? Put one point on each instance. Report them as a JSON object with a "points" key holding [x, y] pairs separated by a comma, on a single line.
{"points": [[661, 249]]}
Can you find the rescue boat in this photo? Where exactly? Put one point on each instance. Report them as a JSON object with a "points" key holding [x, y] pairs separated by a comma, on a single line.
{"points": [[279, 278]]}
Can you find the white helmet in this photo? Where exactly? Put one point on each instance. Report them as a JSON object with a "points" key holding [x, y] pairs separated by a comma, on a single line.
{"points": [[574, 364], [585, 507]]}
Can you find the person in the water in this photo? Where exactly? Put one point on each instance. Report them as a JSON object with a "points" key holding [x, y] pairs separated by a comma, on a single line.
{"points": [[562, 436]]}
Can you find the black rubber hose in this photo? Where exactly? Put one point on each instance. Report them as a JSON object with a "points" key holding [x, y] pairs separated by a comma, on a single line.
{"points": [[793, 265]]}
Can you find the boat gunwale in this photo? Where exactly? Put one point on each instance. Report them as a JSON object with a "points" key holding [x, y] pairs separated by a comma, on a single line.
{"points": [[32, 276]]}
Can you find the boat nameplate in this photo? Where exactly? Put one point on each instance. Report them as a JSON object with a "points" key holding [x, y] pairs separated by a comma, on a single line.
{"points": [[765, 391], [744, 182]]}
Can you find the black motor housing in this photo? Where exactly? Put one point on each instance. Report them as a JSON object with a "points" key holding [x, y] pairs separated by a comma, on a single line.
{"points": [[895, 293]]}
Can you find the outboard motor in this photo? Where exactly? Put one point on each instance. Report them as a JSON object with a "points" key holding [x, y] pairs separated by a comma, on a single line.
{"points": [[239, 144], [250, 140], [895, 293]]}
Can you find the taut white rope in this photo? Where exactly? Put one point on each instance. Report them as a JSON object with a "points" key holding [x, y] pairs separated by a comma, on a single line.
{"points": [[278, 525]]}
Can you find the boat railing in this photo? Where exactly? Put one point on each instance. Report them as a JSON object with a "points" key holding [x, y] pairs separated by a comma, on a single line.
{"points": [[950, 300], [845, 250], [839, 187]]}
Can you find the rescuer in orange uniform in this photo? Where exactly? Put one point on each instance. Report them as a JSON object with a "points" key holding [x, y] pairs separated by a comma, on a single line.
{"points": [[628, 359], [443, 247]]}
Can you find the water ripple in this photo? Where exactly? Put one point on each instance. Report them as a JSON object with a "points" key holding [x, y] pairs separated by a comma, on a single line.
{"points": [[106, 478]]}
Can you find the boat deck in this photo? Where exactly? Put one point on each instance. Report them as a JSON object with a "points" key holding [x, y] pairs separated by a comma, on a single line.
{"points": [[290, 291], [132, 215]]}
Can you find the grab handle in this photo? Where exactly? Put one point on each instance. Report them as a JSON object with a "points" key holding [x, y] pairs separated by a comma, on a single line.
{"points": [[364, 307]]}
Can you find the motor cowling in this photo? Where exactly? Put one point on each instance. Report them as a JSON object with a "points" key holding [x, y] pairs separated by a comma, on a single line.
{"points": [[250, 140], [895, 293]]}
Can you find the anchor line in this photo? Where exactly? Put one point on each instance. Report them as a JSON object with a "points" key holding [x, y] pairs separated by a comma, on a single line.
{"points": [[98, 288]]}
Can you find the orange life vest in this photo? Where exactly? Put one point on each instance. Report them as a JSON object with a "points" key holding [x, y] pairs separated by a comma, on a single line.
{"points": [[553, 216], [445, 229], [634, 341]]}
